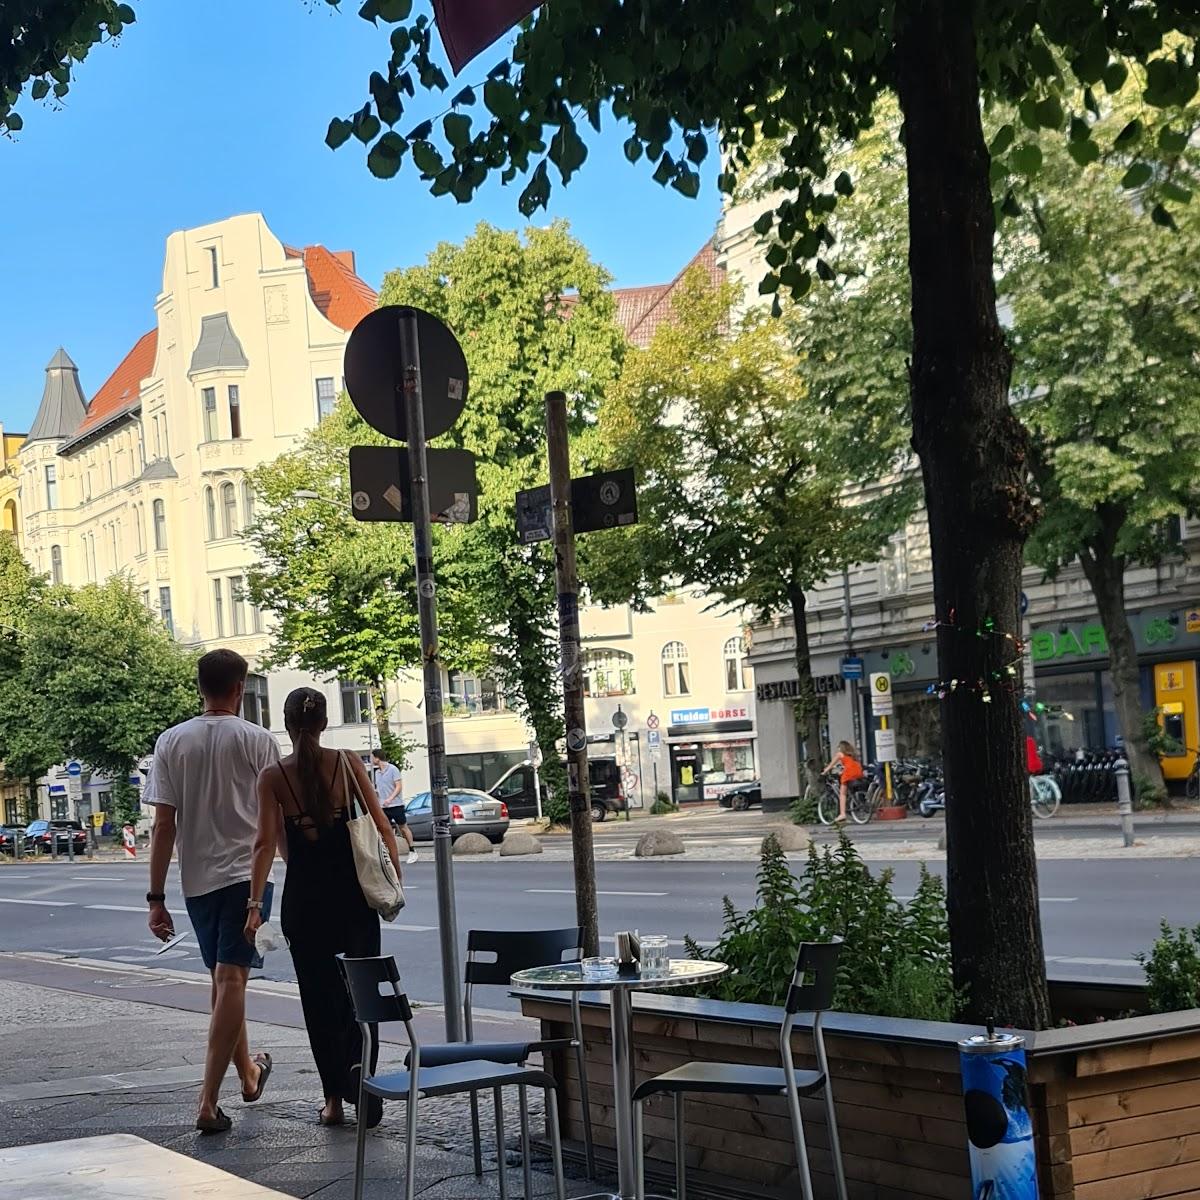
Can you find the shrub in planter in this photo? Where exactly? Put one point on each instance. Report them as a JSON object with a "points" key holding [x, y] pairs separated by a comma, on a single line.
{"points": [[896, 961], [663, 804], [1173, 969]]}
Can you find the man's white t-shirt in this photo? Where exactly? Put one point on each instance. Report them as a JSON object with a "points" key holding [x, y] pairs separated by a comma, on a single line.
{"points": [[206, 770]]}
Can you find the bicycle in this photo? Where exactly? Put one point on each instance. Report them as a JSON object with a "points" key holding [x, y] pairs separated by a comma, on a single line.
{"points": [[1044, 795], [861, 802]]}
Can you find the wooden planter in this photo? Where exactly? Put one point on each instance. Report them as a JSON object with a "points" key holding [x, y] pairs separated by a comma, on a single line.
{"points": [[1116, 1105]]}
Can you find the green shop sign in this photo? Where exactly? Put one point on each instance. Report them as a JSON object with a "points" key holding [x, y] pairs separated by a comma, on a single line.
{"points": [[1082, 641]]}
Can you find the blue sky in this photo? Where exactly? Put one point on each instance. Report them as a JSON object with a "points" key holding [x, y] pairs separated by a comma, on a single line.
{"points": [[206, 108]]}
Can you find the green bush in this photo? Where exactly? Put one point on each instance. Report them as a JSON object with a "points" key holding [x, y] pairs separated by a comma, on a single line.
{"points": [[896, 958], [662, 805], [803, 810], [1173, 969]]}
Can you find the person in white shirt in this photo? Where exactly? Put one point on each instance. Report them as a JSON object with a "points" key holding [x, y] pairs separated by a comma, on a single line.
{"points": [[389, 787], [202, 783]]}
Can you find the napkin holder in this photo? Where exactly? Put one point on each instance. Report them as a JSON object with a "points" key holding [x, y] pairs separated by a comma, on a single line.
{"points": [[629, 955]]}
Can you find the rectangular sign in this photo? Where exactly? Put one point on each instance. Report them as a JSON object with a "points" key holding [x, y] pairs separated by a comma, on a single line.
{"points": [[881, 694], [604, 501], [885, 745], [690, 716], [380, 484], [653, 739], [852, 668]]}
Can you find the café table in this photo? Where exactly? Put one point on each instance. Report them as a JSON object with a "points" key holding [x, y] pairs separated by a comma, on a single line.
{"points": [[570, 977], [118, 1166]]}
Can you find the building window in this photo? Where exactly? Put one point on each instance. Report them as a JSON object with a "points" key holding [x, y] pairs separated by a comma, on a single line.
{"points": [[326, 398], [60, 808], [139, 529], [256, 704], [235, 412], [213, 266], [256, 621], [208, 401], [56, 571], [737, 669], [676, 676], [228, 510], [210, 513], [112, 541], [472, 694], [51, 486], [356, 703], [89, 553], [237, 604], [219, 607], [160, 525], [893, 566], [248, 501], [164, 609], [146, 599], [608, 673]]}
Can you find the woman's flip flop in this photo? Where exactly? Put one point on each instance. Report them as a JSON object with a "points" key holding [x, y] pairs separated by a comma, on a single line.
{"points": [[264, 1073]]}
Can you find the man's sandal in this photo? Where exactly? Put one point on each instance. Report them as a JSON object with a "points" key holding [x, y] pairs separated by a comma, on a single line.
{"points": [[218, 1124], [264, 1073]]}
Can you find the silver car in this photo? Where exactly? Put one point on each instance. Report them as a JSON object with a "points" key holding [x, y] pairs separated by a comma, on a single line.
{"points": [[470, 812]]}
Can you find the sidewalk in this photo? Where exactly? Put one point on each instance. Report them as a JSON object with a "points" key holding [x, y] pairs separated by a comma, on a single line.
{"points": [[76, 1064]]}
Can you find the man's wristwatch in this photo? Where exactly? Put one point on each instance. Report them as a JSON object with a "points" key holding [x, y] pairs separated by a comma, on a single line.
{"points": [[156, 897], [254, 904]]}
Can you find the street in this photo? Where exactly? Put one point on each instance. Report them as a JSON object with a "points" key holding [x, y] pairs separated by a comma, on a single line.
{"points": [[1096, 915]]}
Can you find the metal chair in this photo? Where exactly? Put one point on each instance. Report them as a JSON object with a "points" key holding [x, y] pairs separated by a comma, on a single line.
{"points": [[493, 958], [374, 1004], [811, 991]]}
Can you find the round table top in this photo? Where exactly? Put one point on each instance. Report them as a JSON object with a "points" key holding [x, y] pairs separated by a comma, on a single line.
{"points": [[569, 977]]}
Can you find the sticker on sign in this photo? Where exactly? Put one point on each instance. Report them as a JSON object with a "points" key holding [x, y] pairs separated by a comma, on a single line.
{"points": [[885, 745], [881, 693]]}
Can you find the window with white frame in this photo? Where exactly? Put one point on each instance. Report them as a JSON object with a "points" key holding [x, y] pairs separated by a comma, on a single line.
{"points": [[256, 703], [56, 564], [208, 403], [219, 607], [676, 672], [893, 566], [228, 510], [210, 513], [235, 411], [139, 528], [213, 267], [608, 673], [51, 486], [326, 398], [164, 609], [160, 525], [472, 694], [356, 703], [737, 669], [237, 604], [248, 501]]}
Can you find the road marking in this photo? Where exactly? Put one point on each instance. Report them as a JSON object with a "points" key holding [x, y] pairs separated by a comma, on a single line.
{"points": [[408, 928], [116, 907], [99, 878], [571, 892], [40, 903]]}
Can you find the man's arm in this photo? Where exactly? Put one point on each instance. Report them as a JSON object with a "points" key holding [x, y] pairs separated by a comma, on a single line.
{"points": [[162, 843], [396, 790]]}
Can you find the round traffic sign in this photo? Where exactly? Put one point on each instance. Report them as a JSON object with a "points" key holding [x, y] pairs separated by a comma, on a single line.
{"points": [[74, 769], [652, 721], [620, 719], [374, 368]]}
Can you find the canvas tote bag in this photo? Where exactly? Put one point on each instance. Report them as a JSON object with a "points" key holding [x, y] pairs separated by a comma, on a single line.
{"points": [[376, 872]]}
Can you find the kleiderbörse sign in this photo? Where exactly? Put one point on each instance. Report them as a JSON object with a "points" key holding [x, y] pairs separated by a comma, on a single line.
{"points": [[705, 716]]}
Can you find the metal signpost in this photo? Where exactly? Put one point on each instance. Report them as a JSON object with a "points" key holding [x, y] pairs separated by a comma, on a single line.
{"points": [[882, 706], [404, 398]]}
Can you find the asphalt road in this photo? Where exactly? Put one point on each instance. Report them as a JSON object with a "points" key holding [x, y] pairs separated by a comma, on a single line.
{"points": [[1096, 915]]}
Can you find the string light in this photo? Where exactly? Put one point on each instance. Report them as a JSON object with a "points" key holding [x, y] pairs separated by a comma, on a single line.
{"points": [[986, 685]]}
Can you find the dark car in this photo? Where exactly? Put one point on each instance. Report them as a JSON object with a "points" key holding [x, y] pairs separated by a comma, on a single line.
{"points": [[38, 836], [9, 839], [742, 796], [604, 782], [470, 812]]}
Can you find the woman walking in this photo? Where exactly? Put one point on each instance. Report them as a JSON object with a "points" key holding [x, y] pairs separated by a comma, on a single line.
{"points": [[303, 803]]}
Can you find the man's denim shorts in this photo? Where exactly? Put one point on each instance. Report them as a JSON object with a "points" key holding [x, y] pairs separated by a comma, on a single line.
{"points": [[219, 921]]}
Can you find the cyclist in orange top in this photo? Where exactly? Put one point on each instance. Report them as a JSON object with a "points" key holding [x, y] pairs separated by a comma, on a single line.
{"points": [[847, 758]]}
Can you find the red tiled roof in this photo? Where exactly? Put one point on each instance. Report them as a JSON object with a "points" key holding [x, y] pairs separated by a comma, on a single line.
{"points": [[336, 290], [120, 390], [649, 313]]}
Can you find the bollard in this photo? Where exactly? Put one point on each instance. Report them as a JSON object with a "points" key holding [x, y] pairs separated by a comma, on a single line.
{"points": [[129, 837], [91, 840], [999, 1125], [71, 846], [1124, 799], [54, 843]]}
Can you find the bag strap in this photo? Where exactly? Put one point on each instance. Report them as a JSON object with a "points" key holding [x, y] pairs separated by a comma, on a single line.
{"points": [[354, 797]]}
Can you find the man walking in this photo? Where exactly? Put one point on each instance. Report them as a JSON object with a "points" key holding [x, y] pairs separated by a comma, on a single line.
{"points": [[390, 789], [203, 786]]}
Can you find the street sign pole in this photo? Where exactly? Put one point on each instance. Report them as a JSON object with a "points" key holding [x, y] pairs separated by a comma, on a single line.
{"points": [[414, 417], [567, 579]]}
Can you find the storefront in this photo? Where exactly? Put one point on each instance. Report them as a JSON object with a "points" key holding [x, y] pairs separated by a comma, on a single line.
{"points": [[711, 750]]}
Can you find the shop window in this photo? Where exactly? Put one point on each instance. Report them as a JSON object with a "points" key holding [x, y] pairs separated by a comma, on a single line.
{"points": [[468, 694], [1078, 714], [737, 669], [675, 669], [12, 811], [727, 763], [608, 673], [356, 703], [256, 704], [481, 771]]}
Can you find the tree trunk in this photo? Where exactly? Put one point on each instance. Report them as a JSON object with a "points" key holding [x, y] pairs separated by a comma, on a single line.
{"points": [[808, 711], [972, 453], [1106, 574]]}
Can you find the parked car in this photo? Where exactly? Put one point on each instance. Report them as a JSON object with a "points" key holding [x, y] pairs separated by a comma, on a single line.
{"points": [[470, 812], [741, 797], [604, 786], [38, 835], [8, 839]]}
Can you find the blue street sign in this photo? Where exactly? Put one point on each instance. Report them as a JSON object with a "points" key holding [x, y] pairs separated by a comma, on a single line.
{"points": [[852, 668], [74, 769], [653, 739], [1024, 604]]}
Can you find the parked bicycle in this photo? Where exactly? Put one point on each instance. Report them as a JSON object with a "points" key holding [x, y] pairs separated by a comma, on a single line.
{"points": [[1044, 795]]}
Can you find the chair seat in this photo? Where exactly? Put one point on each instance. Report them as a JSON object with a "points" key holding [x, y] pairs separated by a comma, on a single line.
{"points": [[729, 1079], [441, 1054], [474, 1075]]}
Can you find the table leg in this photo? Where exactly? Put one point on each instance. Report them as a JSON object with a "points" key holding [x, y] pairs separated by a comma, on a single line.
{"points": [[621, 1009]]}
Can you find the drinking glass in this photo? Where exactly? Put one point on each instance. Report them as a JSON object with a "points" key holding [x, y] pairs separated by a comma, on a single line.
{"points": [[655, 962]]}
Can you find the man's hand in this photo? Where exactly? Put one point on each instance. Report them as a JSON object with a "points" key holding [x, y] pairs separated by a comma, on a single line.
{"points": [[160, 922], [253, 921]]}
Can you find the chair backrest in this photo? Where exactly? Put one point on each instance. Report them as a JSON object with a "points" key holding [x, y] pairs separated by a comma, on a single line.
{"points": [[494, 956], [363, 977], [815, 977]]}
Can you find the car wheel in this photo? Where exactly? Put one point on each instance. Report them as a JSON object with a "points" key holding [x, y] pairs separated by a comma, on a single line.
{"points": [[741, 803], [599, 812]]}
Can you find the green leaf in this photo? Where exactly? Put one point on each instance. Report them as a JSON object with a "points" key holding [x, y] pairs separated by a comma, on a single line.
{"points": [[466, 96], [1049, 113], [776, 255], [15, 121], [401, 43], [764, 224], [1138, 175], [427, 159], [40, 89], [1130, 134], [537, 191], [370, 11], [457, 128], [843, 184], [366, 127], [125, 14], [567, 150], [1172, 141], [1042, 60], [1084, 153], [665, 170], [1160, 216], [1080, 130], [500, 98], [633, 149], [768, 285], [1176, 192], [825, 271], [697, 147], [1115, 75], [1002, 140], [686, 182], [383, 161], [338, 132], [1010, 207], [1027, 158], [393, 10]]}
